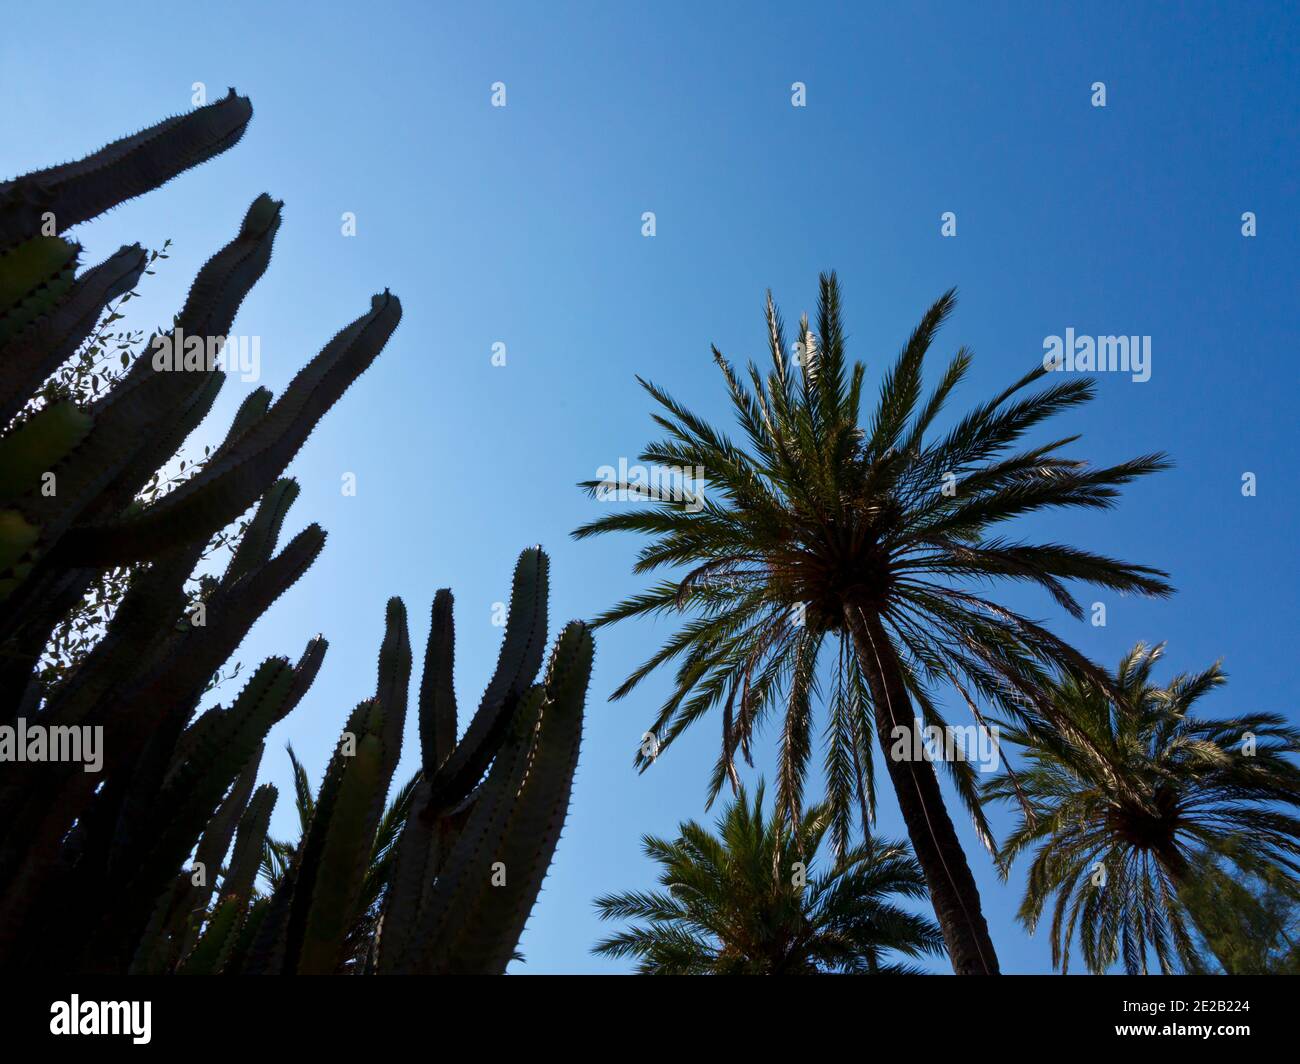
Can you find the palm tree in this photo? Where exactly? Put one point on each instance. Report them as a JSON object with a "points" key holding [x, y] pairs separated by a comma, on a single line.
{"points": [[817, 534], [278, 856], [1128, 842], [746, 901]]}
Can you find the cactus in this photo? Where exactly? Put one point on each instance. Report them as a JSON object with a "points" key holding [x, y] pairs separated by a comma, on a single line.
{"points": [[176, 782], [468, 921], [174, 926], [444, 908], [76, 192], [236, 915], [169, 779], [212, 952]]}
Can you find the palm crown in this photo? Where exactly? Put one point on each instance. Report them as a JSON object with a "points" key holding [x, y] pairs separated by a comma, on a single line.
{"points": [[749, 900], [867, 544], [1122, 839]]}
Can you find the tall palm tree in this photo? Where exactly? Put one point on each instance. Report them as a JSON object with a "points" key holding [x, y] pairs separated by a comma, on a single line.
{"points": [[1128, 843], [747, 901], [818, 534]]}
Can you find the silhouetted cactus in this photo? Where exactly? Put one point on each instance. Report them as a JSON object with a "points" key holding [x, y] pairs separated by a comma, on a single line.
{"points": [[123, 869], [474, 850], [174, 927], [70, 476]]}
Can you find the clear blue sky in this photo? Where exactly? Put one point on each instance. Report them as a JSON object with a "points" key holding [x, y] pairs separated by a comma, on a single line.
{"points": [[523, 225]]}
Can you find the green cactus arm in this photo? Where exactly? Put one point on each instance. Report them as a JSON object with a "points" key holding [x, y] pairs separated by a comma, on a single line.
{"points": [[149, 847], [39, 443], [231, 483], [31, 355], [61, 588], [40, 303], [200, 731], [160, 587], [520, 658], [170, 403], [467, 867], [144, 405], [132, 642], [304, 673], [78, 191], [119, 823], [224, 281], [337, 846], [121, 659], [154, 952], [121, 494], [258, 541], [484, 939], [145, 417], [316, 904], [414, 869], [237, 959], [437, 691], [48, 264], [48, 597], [17, 537], [165, 939], [200, 651], [220, 830], [281, 939], [343, 860], [217, 942], [251, 410], [246, 857], [59, 794], [394, 682], [191, 659], [30, 266], [143, 624], [417, 861], [265, 951], [24, 635], [186, 801]]}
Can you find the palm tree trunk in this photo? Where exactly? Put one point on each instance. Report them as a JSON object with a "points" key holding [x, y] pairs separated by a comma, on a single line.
{"points": [[952, 888]]}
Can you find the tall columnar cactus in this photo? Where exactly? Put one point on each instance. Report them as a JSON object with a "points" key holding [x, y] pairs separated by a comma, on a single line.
{"points": [[173, 927], [70, 476], [231, 925], [474, 849]]}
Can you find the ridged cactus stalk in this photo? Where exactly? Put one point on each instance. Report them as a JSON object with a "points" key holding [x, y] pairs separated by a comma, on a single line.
{"points": [[485, 814], [90, 863]]}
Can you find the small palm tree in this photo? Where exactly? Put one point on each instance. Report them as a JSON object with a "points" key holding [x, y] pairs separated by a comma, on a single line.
{"points": [[748, 901], [1126, 840], [278, 856], [821, 539]]}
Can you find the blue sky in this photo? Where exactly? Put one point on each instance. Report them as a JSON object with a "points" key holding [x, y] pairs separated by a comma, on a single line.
{"points": [[522, 225]]}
